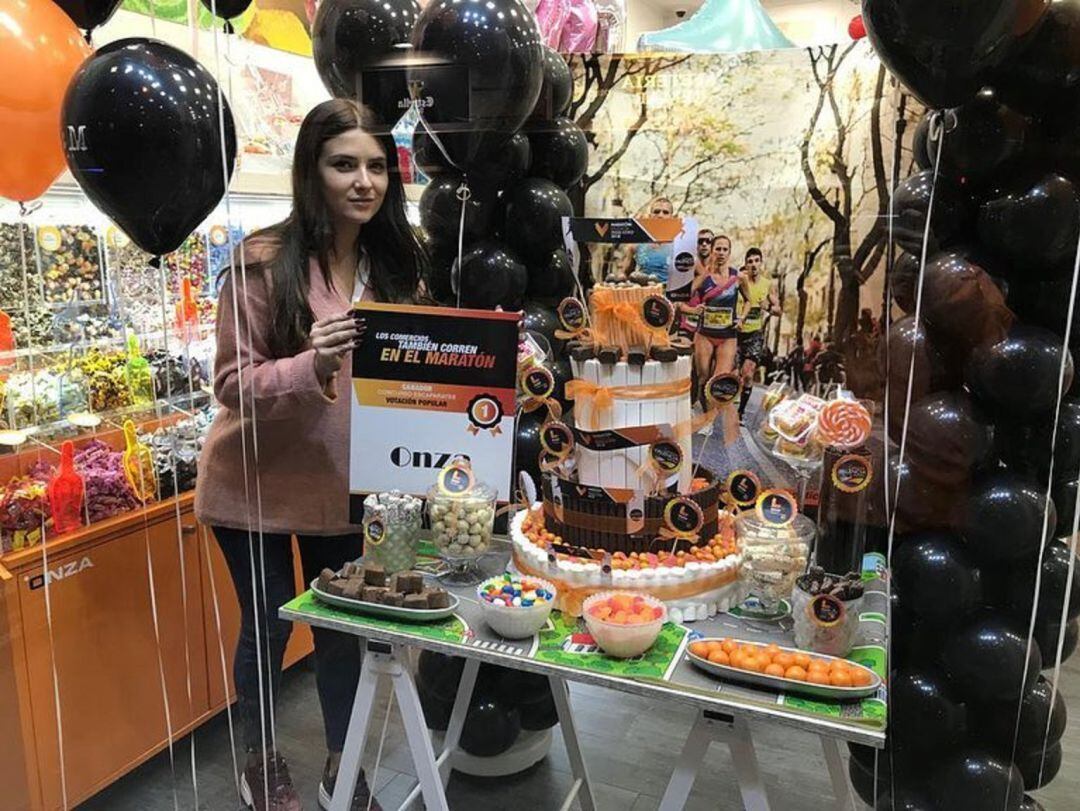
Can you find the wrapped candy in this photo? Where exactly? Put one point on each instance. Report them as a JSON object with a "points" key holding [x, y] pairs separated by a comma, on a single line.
{"points": [[176, 449], [24, 510], [176, 375], [107, 489], [106, 380], [32, 398], [579, 31], [70, 263], [18, 280]]}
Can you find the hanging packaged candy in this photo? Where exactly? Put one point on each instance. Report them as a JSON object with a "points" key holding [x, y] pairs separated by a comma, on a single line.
{"points": [[139, 464], [140, 378], [66, 492], [24, 509]]}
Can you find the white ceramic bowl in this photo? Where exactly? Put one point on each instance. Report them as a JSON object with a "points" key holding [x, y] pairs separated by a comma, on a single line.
{"points": [[623, 641], [516, 622]]}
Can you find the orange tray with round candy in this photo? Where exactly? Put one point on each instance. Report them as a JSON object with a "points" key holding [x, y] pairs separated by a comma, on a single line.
{"points": [[788, 670]]}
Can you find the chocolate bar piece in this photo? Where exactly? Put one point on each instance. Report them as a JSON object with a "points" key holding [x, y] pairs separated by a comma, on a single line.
{"points": [[326, 577], [408, 582], [608, 354], [374, 575], [374, 594], [635, 356], [664, 354], [350, 568], [583, 352], [438, 598], [336, 588], [416, 601], [394, 598], [353, 589]]}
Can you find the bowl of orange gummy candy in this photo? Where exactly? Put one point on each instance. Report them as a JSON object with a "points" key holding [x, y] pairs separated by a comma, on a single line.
{"points": [[785, 669], [624, 625]]}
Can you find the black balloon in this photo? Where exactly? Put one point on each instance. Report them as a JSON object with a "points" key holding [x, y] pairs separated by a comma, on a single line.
{"points": [[1004, 516], [977, 780], [935, 578], [527, 447], [1031, 804], [439, 276], [947, 438], [560, 152], [904, 278], [227, 9], [490, 728], [1064, 494], [534, 211], [922, 502], [985, 135], [551, 278], [539, 715], [440, 674], [1048, 66], [909, 341], [1053, 586], [1042, 719], [925, 714], [988, 659], [962, 307], [1047, 633], [1017, 377], [440, 211], [950, 218], [904, 798], [1045, 303], [349, 37], [495, 48], [153, 157], [508, 164], [1037, 767], [943, 51], [557, 88], [491, 276], [436, 711], [89, 14], [544, 320], [1035, 226], [1025, 447], [920, 144]]}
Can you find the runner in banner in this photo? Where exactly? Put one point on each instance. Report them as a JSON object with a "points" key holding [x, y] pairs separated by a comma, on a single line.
{"points": [[651, 258], [759, 300]]}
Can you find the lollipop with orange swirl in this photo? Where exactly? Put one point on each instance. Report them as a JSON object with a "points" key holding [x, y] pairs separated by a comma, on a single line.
{"points": [[844, 424]]}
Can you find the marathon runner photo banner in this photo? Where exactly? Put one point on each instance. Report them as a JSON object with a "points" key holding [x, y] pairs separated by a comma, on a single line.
{"points": [[429, 384]]}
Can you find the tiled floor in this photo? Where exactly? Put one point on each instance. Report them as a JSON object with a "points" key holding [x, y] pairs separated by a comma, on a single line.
{"points": [[630, 745]]}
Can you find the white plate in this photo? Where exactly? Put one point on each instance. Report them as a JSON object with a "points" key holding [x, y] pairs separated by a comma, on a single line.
{"points": [[390, 612], [787, 685]]}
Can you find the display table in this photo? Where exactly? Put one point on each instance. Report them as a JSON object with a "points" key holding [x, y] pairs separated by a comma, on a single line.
{"points": [[562, 653]]}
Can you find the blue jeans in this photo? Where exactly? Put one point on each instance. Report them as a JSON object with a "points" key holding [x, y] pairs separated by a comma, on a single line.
{"points": [[337, 655]]}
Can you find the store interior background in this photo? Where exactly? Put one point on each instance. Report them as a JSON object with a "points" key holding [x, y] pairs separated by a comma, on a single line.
{"points": [[630, 776]]}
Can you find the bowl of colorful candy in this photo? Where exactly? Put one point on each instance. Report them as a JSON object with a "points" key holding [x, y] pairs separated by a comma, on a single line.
{"points": [[624, 625], [516, 607]]}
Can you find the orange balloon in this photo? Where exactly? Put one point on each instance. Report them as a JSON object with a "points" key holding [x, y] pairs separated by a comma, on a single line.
{"points": [[40, 50]]}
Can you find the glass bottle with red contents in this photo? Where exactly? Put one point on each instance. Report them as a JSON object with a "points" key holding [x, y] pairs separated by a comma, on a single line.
{"points": [[842, 513]]}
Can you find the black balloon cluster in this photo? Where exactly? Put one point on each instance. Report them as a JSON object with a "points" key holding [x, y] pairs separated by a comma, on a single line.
{"points": [[993, 425], [504, 702]]}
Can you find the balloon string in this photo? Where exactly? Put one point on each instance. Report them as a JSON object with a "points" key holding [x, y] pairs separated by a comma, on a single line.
{"points": [[243, 434], [24, 210], [463, 194], [165, 325], [1062, 370], [439, 144], [935, 122]]}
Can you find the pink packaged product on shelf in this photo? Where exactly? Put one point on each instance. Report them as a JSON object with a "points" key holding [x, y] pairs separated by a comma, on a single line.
{"points": [[551, 16], [579, 30]]}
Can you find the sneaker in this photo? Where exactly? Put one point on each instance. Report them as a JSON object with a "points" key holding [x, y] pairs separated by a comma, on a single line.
{"points": [[282, 795], [361, 797]]}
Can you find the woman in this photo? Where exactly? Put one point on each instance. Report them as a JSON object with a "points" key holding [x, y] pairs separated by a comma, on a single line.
{"points": [[651, 258], [275, 463], [714, 297]]}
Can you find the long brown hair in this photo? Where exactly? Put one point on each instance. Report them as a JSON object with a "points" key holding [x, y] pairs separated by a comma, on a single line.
{"points": [[397, 259]]}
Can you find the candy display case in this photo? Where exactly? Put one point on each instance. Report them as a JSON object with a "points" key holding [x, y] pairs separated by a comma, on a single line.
{"points": [[97, 337]]}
